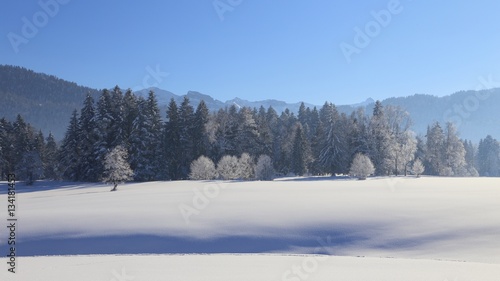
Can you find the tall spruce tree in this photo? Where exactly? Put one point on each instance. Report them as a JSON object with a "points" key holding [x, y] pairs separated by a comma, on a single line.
{"points": [[70, 152], [200, 138], [87, 138], [172, 142]]}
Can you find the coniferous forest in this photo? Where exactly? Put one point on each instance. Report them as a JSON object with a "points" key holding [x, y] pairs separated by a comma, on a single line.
{"points": [[235, 143]]}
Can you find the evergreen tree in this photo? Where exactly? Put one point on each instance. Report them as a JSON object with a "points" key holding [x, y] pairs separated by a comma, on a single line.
{"points": [[130, 115], [200, 138], [70, 153], [488, 156], [186, 125], [434, 152], [50, 165], [87, 138], [172, 142], [382, 142], [265, 132], [248, 136], [300, 152]]}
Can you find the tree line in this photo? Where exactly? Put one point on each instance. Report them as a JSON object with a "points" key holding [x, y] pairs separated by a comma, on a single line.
{"points": [[312, 142]]}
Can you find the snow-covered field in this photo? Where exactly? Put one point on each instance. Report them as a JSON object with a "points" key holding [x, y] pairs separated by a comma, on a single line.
{"points": [[288, 229]]}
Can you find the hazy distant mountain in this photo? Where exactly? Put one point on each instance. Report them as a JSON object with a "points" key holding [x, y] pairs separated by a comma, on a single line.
{"points": [[47, 102]]}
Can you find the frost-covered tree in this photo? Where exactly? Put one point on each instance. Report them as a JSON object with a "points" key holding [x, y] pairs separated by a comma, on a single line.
{"points": [[246, 166], [248, 136], [361, 167], [116, 168], [228, 168], [264, 170], [381, 141], [406, 146], [332, 136], [203, 169], [454, 153], [418, 168]]}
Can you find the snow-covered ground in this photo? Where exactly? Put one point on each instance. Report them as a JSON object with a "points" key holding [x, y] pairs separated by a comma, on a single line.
{"points": [[288, 229]]}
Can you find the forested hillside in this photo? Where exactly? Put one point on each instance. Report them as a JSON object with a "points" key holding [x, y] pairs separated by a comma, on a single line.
{"points": [[44, 101]]}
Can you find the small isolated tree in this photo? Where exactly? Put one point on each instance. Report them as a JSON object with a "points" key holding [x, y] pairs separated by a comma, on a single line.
{"points": [[203, 169], [116, 168], [418, 168], [246, 166], [228, 168], [264, 170], [361, 167]]}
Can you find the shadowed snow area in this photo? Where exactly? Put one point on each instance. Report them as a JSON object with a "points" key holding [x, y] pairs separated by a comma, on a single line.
{"points": [[445, 221]]}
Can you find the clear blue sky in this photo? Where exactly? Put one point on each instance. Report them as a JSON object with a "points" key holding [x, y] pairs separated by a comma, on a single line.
{"points": [[287, 50]]}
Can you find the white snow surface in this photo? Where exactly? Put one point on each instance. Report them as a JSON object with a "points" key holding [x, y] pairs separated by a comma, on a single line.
{"points": [[399, 228]]}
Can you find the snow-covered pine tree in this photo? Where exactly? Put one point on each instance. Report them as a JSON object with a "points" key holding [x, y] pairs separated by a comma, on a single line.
{"points": [[200, 138], [186, 125], [50, 165], [361, 167], [151, 138], [265, 132], [382, 142], [203, 169], [146, 150], [87, 138], [264, 170], [301, 152], [130, 114], [31, 167], [70, 153], [172, 142], [434, 149], [248, 137], [116, 168], [334, 145]]}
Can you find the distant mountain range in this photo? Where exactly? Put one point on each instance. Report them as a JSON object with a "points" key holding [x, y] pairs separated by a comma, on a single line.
{"points": [[46, 102]]}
